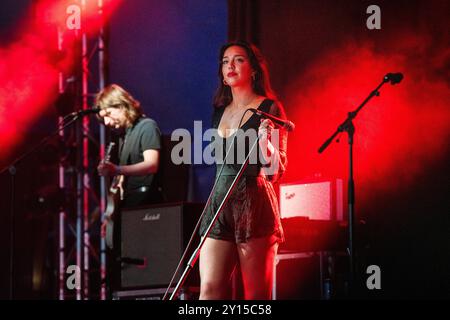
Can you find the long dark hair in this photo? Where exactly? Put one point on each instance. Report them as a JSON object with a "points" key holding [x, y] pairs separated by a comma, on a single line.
{"points": [[260, 83]]}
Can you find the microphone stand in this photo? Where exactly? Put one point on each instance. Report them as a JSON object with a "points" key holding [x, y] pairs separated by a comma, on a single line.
{"points": [[12, 169], [349, 127]]}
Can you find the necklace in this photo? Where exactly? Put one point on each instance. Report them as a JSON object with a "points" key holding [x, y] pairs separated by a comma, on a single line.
{"points": [[229, 124], [239, 109]]}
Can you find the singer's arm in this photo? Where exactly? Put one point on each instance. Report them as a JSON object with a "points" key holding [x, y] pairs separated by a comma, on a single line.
{"points": [[273, 145]]}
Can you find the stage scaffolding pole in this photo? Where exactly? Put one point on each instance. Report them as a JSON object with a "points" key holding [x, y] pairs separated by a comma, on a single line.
{"points": [[79, 240], [85, 158], [102, 67], [61, 184]]}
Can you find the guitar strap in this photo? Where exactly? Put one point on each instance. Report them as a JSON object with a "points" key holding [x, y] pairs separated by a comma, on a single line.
{"points": [[121, 143], [124, 150]]}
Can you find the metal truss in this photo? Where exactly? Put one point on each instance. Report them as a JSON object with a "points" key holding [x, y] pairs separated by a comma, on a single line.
{"points": [[81, 250]]}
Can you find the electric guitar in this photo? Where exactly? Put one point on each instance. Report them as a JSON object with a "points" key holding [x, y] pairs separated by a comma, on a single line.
{"points": [[112, 201]]}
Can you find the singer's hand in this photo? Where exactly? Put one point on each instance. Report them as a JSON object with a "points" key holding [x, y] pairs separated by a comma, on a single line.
{"points": [[266, 148], [107, 169], [265, 128]]}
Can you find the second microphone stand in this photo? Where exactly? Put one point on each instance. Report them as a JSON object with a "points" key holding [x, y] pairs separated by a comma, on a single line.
{"points": [[349, 127]]}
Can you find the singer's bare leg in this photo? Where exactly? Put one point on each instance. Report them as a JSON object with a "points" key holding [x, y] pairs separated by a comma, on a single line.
{"points": [[217, 261], [256, 258]]}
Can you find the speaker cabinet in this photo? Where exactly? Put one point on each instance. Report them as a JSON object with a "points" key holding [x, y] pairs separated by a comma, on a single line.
{"points": [[297, 276], [153, 240], [173, 179], [309, 275]]}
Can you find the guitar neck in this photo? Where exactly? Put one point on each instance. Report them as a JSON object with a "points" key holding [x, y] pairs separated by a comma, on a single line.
{"points": [[115, 183]]}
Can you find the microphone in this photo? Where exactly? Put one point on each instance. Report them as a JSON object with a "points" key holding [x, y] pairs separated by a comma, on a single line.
{"points": [[86, 112], [288, 125], [394, 78]]}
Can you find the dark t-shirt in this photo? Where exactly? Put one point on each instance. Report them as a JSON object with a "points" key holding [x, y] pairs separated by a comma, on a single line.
{"points": [[143, 135]]}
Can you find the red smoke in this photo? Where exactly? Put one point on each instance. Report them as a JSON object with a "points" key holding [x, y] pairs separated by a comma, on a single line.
{"points": [[29, 67], [398, 134]]}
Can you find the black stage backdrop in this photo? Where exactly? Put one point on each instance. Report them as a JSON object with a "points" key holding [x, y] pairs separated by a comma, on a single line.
{"points": [[324, 61]]}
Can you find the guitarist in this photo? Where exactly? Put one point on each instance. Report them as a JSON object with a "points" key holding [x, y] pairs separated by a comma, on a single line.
{"points": [[139, 153]]}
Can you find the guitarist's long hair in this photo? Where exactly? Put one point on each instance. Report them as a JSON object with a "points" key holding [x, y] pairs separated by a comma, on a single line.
{"points": [[114, 96]]}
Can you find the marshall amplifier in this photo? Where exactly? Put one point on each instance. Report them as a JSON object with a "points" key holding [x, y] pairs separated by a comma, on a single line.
{"points": [[153, 240]]}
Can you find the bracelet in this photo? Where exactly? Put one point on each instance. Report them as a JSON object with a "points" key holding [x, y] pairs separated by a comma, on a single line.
{"points": [[118, 170]]}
